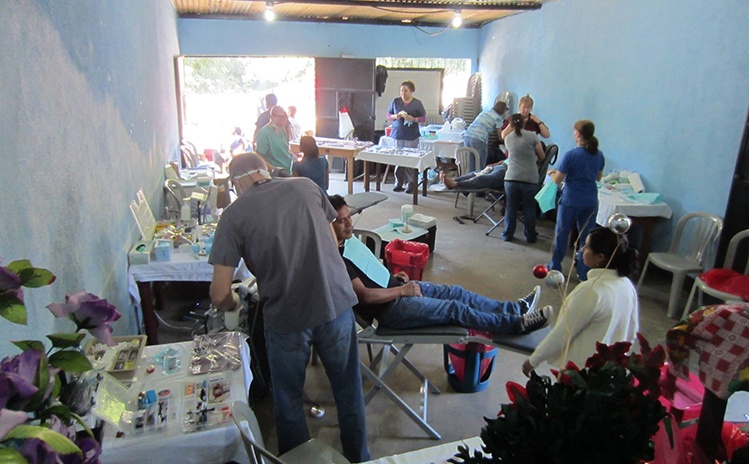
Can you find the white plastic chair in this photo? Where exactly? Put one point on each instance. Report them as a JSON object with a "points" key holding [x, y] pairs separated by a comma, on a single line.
{"points": [[310, 451], [700, 286], [174, 197], [693, 246], [463, 158], [365, 236]]}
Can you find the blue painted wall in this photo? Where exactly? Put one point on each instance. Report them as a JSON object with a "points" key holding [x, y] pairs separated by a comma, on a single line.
{"points": [[88, 117], [665, 82], [259, 38]]}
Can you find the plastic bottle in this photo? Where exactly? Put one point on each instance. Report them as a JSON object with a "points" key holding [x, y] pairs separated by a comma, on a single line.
{"points": [[185, 212]]}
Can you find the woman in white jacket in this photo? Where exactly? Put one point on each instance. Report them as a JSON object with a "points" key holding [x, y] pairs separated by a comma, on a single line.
{"points": [[602, 309]]}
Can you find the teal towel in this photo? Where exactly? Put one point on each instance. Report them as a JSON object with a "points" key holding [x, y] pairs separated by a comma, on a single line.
{"points": [[547, 196], [645, 198]]}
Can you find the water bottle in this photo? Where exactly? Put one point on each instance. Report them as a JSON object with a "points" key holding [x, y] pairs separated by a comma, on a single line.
{"points": [[185, 212]]}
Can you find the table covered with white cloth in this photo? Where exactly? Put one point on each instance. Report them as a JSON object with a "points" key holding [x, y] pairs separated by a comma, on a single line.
{"points": [[434, 455], [415, 158], [216, 445]]}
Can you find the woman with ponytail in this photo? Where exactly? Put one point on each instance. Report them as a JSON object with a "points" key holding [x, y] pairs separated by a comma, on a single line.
{"points": [[521, 179], [602, 309], [580, 168]]}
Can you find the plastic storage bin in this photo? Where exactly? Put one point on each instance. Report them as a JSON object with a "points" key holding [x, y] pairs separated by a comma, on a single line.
{"points": [[409, 257], [469, 366]]}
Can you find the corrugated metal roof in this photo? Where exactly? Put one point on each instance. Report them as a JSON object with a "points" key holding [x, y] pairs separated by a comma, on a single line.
{"points": [[438, 13]]}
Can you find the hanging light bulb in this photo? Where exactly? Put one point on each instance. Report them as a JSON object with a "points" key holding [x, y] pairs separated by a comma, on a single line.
{"points": [[269, 14], [457, 20]]}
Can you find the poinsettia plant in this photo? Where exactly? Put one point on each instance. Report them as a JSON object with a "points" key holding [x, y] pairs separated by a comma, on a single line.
{"points": [[606, 412], [35, 426]]}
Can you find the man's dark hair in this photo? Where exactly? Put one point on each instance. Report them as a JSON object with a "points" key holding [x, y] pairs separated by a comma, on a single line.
{"points": [[337, 201], [271, 100]]}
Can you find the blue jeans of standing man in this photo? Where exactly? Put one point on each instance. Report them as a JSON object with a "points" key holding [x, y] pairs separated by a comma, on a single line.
{"points": [[451, 304], [584, 217], [481, 147], [288, 355], [517, 193]]}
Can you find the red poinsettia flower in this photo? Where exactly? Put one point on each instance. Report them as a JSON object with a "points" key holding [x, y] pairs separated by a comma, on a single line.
{"points": [[616, 353], [515, 390]]}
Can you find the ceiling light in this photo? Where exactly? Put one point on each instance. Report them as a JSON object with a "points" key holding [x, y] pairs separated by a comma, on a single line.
{"points": [[457, 20], [269, 14]]}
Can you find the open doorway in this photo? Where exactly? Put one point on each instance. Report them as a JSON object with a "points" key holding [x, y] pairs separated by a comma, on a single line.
{"points": [[221, 93]]}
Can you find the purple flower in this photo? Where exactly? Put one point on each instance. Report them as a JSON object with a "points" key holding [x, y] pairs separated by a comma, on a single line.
{"points": [[10, 283], [9, 419], [38, 451], [89, 312], [17, 377], [90, 448]]}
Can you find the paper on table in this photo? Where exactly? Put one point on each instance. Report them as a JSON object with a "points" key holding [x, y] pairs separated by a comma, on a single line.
{"points": [[358, 253], [636, 182]]}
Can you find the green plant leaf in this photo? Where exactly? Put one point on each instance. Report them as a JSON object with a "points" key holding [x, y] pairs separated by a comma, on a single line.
{"points": [[58, 442], [12, 309], [70, 361], [42, 381], [59, 410], [65, 339], [29, 345], [11, 456], [32, 277]]}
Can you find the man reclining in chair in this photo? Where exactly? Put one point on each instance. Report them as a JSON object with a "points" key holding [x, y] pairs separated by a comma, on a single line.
{"points": [[491, 177], [405, 304]]}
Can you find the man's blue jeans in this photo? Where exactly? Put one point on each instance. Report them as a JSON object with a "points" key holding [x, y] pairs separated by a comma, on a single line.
{"points": [[518, 193], [584, 217], [337, 346], [480, 146], [451, 304], [494, 180]]}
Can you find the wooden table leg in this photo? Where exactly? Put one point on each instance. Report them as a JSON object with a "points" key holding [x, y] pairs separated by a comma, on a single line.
{"points": [[378, 168], [366, 176], [646, 223], [710, 425], [425, 182], [350, 171], [416, 186], [150, 321]]}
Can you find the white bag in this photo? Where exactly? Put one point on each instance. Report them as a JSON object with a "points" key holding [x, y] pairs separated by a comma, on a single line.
{"points": [[345, 126]]}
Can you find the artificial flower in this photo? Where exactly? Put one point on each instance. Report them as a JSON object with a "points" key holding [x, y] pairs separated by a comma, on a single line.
{"points": [[89, 312]]}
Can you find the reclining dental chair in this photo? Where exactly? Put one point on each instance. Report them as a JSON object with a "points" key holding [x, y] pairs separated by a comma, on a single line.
{"points": [[395, 345]]}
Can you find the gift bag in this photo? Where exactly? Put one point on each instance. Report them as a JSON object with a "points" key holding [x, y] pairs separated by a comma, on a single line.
{"points": [[547, 196], [345, 126]]}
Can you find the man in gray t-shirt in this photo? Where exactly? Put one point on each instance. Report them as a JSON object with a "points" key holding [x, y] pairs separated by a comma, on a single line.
{"points": [[282, 229]]}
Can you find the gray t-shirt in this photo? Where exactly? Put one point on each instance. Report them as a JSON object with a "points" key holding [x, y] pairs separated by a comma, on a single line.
{"points": [[282, 230], [522, 166]]}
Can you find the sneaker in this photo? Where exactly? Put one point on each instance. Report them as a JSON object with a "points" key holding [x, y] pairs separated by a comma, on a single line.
{"points": [[529, 302], [410, 189], [535, 320], [398, 188]]}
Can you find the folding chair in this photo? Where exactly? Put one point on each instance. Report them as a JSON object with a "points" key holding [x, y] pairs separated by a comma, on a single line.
{"points": [[381, 367], [464, 158], [549, 158]]}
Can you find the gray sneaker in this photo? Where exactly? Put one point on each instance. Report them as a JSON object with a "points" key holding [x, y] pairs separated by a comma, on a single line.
{"points": [[529, 302], [535, 320]]}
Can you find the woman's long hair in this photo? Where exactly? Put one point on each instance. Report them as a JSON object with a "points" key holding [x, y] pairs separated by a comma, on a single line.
{"points": [[308, 146], [517, 123], [586, 129], [615, 247]]}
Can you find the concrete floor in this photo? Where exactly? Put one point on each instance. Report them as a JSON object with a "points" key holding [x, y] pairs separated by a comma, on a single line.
{"points": [[463, 255]]}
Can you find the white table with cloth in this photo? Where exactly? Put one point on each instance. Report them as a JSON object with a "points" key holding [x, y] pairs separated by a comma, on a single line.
{"points": [[346, 149], [642, 213], [417, 159], [434, 455], [216, 445], [441, 148], [183, 267]]}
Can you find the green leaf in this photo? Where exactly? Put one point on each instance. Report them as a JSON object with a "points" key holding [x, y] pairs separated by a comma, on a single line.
{"points": [[32, 277], [59, 410], [65, 339], [42, 381], [11, 456], [19, 266], [13, 309], [59, 443], [29, 345], [70, 361]]}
